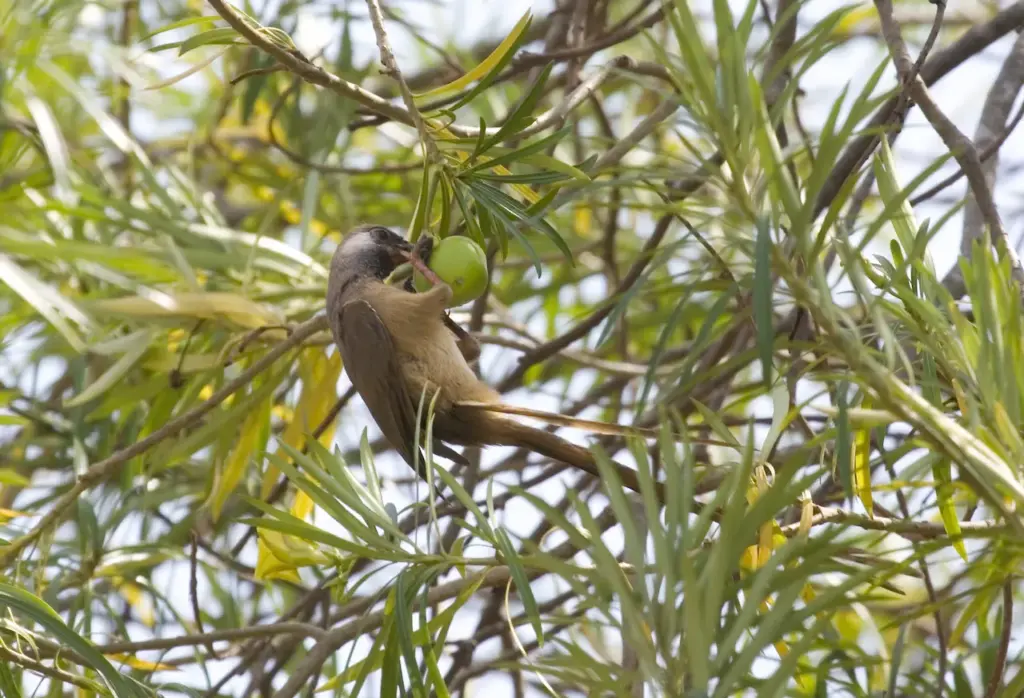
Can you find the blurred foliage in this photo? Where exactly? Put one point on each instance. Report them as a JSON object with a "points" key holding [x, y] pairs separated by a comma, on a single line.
{"points": [[192, 499]]}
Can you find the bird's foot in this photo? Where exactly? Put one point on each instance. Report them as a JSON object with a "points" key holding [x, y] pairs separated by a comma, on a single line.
{"points": [[424, 248]]}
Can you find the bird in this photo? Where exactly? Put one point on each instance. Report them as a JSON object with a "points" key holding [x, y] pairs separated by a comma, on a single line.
{"points": [[399, 346]]}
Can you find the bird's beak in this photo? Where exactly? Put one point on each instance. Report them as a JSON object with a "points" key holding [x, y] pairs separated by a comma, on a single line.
{"points": [[400, 253]]}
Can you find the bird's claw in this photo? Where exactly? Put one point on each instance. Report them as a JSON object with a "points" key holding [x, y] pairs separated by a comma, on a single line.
{"points": [[424, 248]]}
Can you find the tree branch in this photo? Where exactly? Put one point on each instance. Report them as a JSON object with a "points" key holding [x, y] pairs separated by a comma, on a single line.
{"points": [[959, 145], [100, 471]]}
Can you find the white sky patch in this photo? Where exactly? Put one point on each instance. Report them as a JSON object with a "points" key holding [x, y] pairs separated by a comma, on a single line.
{"points": [[314, 31]]}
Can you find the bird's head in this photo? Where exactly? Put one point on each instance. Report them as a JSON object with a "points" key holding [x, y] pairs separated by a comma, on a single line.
{"points": [[370, 250]]}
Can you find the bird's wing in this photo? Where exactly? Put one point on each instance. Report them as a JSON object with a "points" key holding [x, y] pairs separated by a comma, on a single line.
{"points": [[372, 365]]}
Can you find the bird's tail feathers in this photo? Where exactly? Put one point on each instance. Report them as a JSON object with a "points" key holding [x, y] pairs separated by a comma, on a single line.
{"points": [[509, 432]]}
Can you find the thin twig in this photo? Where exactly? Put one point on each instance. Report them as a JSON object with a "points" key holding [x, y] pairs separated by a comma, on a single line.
{"points": [[193, 591], [229, 635], [99, 472], [959, 145], [557, 344], [338, 637], [991, 125], [30, 664], [387, 57], [919, 529], [308, 71], [988, 151], [1004, 641], [974, 40]]}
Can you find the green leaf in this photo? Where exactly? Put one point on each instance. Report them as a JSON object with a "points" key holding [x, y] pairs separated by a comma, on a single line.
{"points": [[50, 304], [39, 611], [533, 150], [512, 214], [844, 441], [944, 489], [186, 22], [522, 112], [137, 345], [762, 299], [9, 687], [897, 654], [522, 582], [489, 67], [391, 674], [221, 36], [403, 599]]}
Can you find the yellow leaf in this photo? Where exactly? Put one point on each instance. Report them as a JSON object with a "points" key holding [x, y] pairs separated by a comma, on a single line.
{"points": [[318, 227], [487, 64], [189, 363], [806, 515], [961, 399], [269, 567], [249, 438], [137, 599], [582, 218], [864, 14], [302, 506], [230, 306], [748, 560], [174, 338], [848, 625], [319, 392], [283, 412], [8, 514], [290, 212], [292, 550], [1007, 431], [764, 543], [136, 663], [942, 472]]}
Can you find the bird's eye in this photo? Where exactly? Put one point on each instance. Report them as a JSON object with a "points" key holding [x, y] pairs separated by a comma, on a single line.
{"points": [[380, 234]]}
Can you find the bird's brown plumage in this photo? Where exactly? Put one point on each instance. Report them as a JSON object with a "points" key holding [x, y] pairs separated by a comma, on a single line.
{"points": [[397, 345]]}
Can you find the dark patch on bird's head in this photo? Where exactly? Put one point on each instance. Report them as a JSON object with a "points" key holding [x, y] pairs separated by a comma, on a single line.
{"points": [[370, 250]]}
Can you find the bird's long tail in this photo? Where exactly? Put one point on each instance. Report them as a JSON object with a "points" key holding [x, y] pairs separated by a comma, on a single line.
{"points": [[507, 432]]}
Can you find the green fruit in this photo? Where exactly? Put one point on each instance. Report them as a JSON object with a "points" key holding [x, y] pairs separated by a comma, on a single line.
{"points": [[460, 263]]}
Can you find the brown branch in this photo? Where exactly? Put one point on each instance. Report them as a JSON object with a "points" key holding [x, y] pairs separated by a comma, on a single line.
{"points": [[387, 58], [1004, 641], [919, 529], [297, 64], [557, 344], [988, 151], [991, 129], [231, 634], [938, 66], [960, 145], [30, 664], [616, 37]]}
